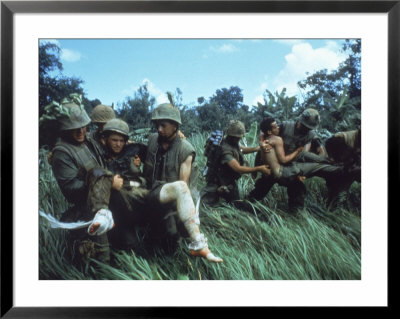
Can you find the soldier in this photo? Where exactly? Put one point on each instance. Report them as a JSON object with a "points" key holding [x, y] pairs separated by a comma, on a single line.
{"points": [[124, 160], [222, 181], [101, 114], [169, 177], [81, 175], [344, 148], [296, 134]]}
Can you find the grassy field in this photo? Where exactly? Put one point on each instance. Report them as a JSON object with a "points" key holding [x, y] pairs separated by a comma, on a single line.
{"points": [[265, 243]]}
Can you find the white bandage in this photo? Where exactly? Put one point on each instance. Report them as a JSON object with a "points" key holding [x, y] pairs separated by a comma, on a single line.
{"points": [[106, 221], [199, 243], [54, 223]]}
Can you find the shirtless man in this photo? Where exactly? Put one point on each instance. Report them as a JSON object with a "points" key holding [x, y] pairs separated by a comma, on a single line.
{"points": [[275, 156]]}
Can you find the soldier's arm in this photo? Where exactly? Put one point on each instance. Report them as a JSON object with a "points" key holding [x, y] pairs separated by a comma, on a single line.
{"points": [[67, 175], [185, 169], [280, 152], [236, 167], [247, 150]]}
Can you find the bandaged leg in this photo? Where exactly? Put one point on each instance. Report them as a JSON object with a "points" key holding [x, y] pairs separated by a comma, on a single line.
{"points": [[188, 214], [102, 223]]}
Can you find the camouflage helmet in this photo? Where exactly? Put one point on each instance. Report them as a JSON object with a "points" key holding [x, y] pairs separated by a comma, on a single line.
{"points": [[235, 128], [75, 115], [117, 126], [102, 113], [310, 118], [166, 111]]}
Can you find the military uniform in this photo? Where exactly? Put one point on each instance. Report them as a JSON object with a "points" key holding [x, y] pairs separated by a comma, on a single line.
{"points": [[126, 203], [224, 182], [345, 148], [161, 167], [81, 175], [85, 184]]}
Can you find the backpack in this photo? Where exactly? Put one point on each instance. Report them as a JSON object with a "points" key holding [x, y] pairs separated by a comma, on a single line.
{"points": [[212, 151]]}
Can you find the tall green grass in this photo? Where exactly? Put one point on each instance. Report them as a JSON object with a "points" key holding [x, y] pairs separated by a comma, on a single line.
{"points": [[261, 243]]}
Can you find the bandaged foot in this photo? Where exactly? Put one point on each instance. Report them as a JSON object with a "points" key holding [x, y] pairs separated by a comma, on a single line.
{"points": [[199, 248], [207, 254], [102, 222]]}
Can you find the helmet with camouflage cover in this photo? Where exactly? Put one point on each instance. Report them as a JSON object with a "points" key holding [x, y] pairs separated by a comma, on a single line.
{"points": [[117, 126], [235, 128], [102, 113], [310, 118], [75, 115], [166, 111]]}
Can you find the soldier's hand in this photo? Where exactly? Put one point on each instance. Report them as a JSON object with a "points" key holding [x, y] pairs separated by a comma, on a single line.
{"points": [[137, 161], [299, 149], [265, 146], [265, 170], [262, 138], [117, 182]]}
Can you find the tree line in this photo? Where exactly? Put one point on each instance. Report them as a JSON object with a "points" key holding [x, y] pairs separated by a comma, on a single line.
{"points": [[335, 94]]}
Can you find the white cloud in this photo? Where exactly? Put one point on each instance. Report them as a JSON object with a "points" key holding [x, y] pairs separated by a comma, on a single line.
{"points": [[304, 58], [65, 54], [70, 55], [159, 95]]}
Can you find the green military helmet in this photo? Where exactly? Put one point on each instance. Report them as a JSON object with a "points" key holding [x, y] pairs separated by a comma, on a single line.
{"points": [[102, 113], [166, 111], [310, 118], [235, 128], [76, 118], [117, 126]]}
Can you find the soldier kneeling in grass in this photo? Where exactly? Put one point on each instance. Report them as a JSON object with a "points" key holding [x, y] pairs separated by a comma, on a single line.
{"points": [[344, 148], [169, 174], [83, 179], [226, 165]]}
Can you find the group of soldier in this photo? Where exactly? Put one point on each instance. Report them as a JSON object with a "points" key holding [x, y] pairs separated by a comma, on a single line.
{"points": [[118, 185], [287, 154], [99, 174]]}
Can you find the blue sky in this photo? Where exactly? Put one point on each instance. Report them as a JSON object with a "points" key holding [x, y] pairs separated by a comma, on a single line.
{"points": [[113, 69]]}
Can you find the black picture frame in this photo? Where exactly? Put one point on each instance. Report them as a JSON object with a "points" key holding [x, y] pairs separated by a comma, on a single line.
{"points": [[9, 8]]}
